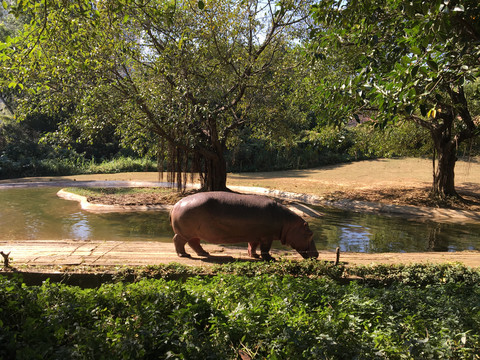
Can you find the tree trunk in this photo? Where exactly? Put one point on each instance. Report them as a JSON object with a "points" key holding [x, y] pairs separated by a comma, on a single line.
{"points": [[215, 177], [444, 174]]}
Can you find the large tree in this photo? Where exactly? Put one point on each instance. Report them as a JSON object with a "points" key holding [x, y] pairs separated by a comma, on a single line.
{"points": [[413, 60], [190, 72]]}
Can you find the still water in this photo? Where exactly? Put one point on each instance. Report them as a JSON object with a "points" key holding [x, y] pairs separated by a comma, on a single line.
{"points": [[38, 214]]}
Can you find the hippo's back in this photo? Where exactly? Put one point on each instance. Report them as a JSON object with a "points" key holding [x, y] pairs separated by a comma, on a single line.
{"points": [[224, 203], [227, 212]]}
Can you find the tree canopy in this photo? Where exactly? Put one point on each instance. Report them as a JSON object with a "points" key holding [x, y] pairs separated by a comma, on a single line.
{"points": [[184, 75], [9, 27], [413, 60]]}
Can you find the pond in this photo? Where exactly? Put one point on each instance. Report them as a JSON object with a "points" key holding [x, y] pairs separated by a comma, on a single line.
{"points": [[38, 214]]}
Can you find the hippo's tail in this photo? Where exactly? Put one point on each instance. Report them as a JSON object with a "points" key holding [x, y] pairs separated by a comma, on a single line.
{"points": [[171, 217]]}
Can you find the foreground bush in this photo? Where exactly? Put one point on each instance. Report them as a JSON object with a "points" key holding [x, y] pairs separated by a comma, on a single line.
{"points": [[263, 316]]}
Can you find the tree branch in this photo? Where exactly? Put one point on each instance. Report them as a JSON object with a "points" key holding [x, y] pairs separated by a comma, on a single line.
{"points": [[423, 123]]}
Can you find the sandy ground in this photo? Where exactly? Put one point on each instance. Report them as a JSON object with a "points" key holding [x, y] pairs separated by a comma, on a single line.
{"points": [[68, 254], [394, 182]]}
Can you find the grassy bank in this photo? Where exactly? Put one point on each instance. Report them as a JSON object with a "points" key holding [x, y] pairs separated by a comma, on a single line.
{"points": [[29, 167], [287, 310]]}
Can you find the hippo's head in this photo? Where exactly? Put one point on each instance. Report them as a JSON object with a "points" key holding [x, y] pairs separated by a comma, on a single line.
{"points": [[299, 236]]}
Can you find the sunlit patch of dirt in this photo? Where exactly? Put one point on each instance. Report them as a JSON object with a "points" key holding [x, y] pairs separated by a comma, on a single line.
{"points": [[414, 196]]}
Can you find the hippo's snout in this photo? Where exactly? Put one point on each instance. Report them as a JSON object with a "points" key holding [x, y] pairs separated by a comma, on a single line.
{"points": [[311, 252]]}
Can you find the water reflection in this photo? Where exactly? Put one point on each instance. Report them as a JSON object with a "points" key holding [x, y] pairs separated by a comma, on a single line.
{"points": [[39, 214], [371, 233], [354, 238], [79, 227]]}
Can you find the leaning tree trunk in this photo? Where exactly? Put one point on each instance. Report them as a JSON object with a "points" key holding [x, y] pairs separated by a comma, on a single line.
{"points": [[441, 127], [444, 173]]}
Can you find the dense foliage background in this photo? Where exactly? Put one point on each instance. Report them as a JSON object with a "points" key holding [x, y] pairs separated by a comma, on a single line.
{"points": [[34, 148]]}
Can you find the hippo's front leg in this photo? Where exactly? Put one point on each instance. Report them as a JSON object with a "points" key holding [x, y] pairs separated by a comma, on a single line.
{"points": [[265, 250]]}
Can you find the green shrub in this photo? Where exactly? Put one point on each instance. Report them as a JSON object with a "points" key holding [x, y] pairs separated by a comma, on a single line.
{"points": [[417, 274], [271, 316], [404, 139], [121, 164], [23, 153], [330, 145]]}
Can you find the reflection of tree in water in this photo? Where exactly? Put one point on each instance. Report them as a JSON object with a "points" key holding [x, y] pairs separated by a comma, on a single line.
{"points": [[436, 239]]}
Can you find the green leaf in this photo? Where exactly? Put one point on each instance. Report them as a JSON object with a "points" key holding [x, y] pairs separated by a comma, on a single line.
{"points": [[432, 65], [416, 50], [5, 5], [201, 4], [414, 71], [406, 60]]}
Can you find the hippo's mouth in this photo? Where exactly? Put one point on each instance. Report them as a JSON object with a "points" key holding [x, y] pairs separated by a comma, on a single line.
{"points": [[311, 252]]}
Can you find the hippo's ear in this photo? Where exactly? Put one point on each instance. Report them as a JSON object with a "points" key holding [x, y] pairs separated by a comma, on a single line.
{"points": [[307, 228]]}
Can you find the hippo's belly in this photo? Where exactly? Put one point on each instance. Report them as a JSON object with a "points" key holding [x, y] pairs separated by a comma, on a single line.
{"points": [[224, 230]]}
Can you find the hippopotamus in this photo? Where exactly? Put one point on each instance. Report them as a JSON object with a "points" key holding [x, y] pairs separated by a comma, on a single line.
{"points": [[226, 218]]}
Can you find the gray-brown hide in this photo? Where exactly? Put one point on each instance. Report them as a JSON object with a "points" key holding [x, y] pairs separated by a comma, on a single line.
{"points": [[228, 218]]}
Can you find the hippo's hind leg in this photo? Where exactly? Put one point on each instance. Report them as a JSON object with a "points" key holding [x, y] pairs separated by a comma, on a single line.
{"points": [[195, 245], [252, 249], [180, 242]]}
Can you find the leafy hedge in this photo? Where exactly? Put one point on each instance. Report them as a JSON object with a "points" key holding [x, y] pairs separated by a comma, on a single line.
{"points": [[261, 314], [22, 153]]}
